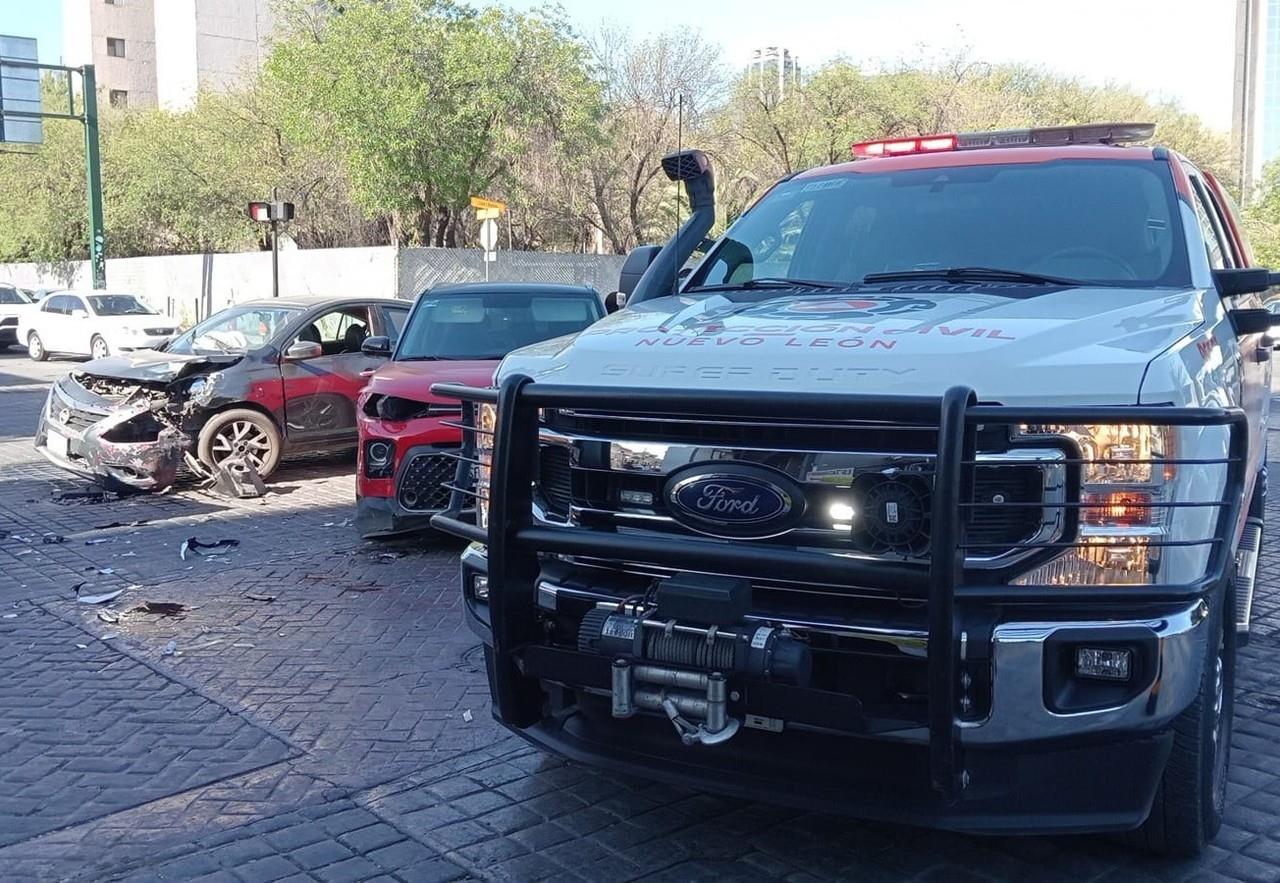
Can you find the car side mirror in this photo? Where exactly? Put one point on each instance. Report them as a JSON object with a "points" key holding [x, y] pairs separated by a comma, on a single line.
{"points": [[1253, 321], [1244, 280], [614, 301], [378, 345], [638, 260], [303, 349]]}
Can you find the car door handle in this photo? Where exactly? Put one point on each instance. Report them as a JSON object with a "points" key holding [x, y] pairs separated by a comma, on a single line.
{"points": [[368, 372]]}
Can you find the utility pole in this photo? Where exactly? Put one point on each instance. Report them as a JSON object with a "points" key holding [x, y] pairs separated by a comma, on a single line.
{"points": [[93, 169]]}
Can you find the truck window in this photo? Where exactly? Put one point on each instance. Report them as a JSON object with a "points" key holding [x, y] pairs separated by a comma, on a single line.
{"points": [[1214, 242], [1098, 221]]}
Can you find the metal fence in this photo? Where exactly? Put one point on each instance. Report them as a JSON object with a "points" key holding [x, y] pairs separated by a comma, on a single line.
{"points": [[422, 268]]}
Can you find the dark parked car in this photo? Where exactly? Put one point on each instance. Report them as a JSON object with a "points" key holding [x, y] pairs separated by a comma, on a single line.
{"points": [[244, 386]]}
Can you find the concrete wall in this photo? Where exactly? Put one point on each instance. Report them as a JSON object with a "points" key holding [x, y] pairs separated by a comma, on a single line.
{"points": [[189, 287]]}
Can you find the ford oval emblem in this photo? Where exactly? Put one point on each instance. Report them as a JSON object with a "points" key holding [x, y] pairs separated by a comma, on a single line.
{"points": [[734, 500]]}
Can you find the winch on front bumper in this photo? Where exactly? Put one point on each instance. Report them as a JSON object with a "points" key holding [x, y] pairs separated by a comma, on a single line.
{"points": [[939, 691]]}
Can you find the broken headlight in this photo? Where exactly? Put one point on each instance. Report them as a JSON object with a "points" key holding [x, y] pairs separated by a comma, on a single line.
{"points": [[1132, 499]]}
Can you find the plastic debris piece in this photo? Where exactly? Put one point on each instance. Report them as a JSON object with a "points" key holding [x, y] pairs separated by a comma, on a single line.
{"points": [[100, 598], [83, 646], [10, 616], [112, 524], [97, 542], [106, 571], [110, 616], [192, 546], [468, 716], [161, 608], [52, 539], [170, 648], [257, 596]]}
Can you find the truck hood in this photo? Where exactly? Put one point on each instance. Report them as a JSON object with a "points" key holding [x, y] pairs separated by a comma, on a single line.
{"points": [[152, 366], [1077, 345], [413, 379]]}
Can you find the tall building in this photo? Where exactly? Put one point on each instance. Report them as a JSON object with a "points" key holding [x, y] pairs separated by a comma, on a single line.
{"points": [[150, 52], [774, 70]]}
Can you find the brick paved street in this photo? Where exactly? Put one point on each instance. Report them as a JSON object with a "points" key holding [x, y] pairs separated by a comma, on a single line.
{"points": [[318, 712]]}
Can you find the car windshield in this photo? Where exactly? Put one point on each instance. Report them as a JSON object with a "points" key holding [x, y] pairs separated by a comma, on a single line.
{"points": [[234, 330], [13, 296], [1108, 222], [119, 305], [466, 325]]}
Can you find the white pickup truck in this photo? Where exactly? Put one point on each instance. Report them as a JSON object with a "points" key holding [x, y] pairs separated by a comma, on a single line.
{"points": [[933, 493]]}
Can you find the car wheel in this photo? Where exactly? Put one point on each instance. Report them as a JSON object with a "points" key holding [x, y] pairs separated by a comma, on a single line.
{"points": [[241, 434], [35, 348], [1192, 795], [98, 347]]}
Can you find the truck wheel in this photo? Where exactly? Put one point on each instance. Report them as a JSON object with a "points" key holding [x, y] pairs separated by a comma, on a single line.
{"points": [[1187, 811], [241, 433], [35, 348]]}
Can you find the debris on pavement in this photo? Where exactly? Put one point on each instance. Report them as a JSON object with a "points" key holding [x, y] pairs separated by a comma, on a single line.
{"points": [[109, 616], [9, 616], [468, 716], [234, 477], [160, 608], [194, 546], [83, 646], [97, 542], [114, 524], [169, 649], [52, 539], [100, 598], [106, 571], [91, 497], [256, 596]]}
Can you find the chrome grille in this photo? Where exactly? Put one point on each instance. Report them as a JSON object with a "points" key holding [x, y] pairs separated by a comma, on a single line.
{"points": [[605, 480]]}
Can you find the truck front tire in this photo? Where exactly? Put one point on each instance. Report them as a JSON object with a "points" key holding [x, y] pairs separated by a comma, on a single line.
{"points": [[1189, 802]]}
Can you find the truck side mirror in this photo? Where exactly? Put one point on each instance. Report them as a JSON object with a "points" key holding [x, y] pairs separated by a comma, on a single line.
{"points": [[1253, 321], [614, 301], [634, 266], [378, 345], [1244, 280]]}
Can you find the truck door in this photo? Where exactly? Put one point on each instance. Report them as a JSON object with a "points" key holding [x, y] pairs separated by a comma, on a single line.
{"points": [[1226, 249]]}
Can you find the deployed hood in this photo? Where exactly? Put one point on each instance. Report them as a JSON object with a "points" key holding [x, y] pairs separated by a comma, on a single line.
{"points": [[413, 379], [1077, 345], [152, 366]]}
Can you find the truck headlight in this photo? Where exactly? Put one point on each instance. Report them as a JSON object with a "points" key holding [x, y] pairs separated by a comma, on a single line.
{"points": [[486, 417], [1126, 521]]}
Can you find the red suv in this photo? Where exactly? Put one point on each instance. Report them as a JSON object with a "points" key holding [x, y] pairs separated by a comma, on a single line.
{"points": [[454, 333]]}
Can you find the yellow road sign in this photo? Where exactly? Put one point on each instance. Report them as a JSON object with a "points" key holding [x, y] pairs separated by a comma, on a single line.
{"points": [[485, 214], [482, 203]]}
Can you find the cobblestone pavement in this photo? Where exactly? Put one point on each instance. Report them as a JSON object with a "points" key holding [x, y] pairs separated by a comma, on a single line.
{"points": [[317, 711]]}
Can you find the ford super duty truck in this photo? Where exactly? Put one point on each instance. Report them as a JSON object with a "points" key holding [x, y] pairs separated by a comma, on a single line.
{"points": [[933, 493]]}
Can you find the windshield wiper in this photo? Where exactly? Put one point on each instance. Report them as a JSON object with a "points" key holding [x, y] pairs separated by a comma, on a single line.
{"points": [[970, 274], [774, 282]]}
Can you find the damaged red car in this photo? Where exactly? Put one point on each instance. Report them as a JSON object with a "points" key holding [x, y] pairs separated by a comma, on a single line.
{"points": [[240, 389], [455, 333]]}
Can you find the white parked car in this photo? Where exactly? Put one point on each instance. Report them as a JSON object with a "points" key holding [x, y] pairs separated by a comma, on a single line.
{"points": [[13, 302], [92, 323]]}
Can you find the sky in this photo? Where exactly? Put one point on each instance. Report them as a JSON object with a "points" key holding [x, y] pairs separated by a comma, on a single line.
{"points": [[1180, 49]]}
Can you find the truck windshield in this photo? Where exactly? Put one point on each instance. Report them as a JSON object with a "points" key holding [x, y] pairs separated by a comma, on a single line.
{"points": [[1098, 222], [467, 325]]}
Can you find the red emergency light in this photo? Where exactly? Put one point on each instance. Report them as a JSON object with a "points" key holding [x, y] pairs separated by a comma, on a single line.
{"points": [[260, 211], [902, 146]]}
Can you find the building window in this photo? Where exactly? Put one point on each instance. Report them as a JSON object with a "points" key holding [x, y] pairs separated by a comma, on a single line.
{"points": [[118, 98], [115, 47], [114, 2]]}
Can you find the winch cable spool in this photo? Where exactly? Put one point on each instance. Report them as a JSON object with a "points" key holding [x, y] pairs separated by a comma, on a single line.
{"points": [[642, 649]]}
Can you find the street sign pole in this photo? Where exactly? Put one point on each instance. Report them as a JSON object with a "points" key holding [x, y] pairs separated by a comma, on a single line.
{"points": [[93, 169]]}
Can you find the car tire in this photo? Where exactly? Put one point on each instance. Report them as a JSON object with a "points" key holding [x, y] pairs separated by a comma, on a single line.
{"points": [[1187, 811], [35, 348], [98, 348], [241, 431]]}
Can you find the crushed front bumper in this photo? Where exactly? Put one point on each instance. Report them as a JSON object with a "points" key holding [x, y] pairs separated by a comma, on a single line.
{"points": [[76, 431]]}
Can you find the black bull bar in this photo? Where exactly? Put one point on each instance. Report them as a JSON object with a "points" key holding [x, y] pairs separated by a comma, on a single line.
{"points": [[515, 540]]}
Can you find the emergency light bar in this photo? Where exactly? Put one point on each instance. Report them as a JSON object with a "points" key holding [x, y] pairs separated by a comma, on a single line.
{"points": [[1096, 133]]}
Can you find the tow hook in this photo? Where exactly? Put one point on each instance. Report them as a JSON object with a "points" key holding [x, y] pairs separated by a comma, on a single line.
{"points": [[698, 719]]}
